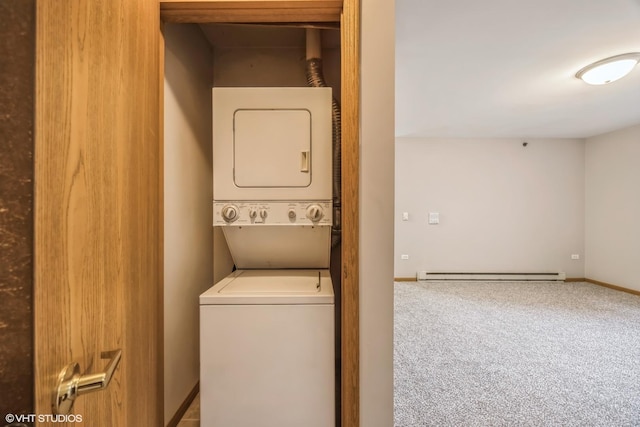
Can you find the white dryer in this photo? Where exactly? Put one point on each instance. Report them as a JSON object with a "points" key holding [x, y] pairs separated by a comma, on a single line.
{"points": [[272, 144]]}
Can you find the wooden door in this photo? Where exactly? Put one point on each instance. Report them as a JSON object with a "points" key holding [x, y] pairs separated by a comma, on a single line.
{"points": [[98, 221]]}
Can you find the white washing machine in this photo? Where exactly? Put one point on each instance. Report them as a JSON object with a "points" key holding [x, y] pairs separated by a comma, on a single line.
{"points": [[267, 350], [267, 356]]}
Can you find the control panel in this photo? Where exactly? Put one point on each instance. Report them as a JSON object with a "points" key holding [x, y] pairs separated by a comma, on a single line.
{"points": [[240, 213]]}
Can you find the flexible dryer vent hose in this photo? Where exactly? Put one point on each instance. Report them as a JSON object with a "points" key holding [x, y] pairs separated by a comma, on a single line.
{"points": [[315, 78]]}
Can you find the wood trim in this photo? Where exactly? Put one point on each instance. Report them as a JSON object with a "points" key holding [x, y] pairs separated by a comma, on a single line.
{"points": [[160, 295], [143, 231], [250, 4], [614, 287], [251, 11], [350, 314], [575, 279], [177, 417]]}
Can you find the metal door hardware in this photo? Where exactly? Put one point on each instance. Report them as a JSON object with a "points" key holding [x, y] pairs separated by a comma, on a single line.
{"points": [[72, 384]]}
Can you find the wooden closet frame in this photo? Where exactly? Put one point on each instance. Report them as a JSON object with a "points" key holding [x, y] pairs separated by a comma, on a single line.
{"points": [[346, 13]]}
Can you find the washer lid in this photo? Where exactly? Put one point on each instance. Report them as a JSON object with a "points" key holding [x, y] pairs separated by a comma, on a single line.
{"points": [[272, 287], [272, 282]]}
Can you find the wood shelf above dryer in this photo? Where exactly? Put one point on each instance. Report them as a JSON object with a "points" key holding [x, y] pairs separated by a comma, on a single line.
{"points": [[251, 11]]}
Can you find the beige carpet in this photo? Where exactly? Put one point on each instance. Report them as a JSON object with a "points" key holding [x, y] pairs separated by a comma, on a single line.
{"points": [[516, 354]]}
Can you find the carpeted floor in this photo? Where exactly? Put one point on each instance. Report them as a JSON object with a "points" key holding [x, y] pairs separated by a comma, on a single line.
{"points": [[516, 354]]}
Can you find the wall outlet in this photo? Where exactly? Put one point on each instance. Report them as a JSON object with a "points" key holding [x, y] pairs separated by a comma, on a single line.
{"points": [[575, 256], [404, 256], [405, 216], [434, 218]]}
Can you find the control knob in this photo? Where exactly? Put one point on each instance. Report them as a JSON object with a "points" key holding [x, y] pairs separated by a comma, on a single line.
{"points": [[314, 212], [253, 213], [230, 213]]}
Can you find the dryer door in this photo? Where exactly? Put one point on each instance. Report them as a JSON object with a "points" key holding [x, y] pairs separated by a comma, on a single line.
{"points": [[272, 143], [272, 148]]}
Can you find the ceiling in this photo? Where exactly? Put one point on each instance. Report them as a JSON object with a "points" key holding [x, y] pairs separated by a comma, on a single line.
{"points": [[506, 68]]}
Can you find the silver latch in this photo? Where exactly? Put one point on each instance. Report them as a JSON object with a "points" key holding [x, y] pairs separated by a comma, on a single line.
{"points": [[71, 384]]}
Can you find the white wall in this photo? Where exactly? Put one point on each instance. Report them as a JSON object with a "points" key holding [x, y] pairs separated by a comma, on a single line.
{"points": [[376, 213], [612, 174], [188, 249], [503, 207], [260, 67]]}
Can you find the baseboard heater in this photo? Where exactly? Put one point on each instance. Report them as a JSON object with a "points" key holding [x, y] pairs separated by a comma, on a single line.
{"points": [[428, 275]]}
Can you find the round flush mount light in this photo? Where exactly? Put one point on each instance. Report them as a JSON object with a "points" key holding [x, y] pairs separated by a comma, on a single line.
{"points": [[609, 70]]}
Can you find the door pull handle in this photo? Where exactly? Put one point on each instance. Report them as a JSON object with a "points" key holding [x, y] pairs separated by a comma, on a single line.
{"points": [[304, 161], [71, 384]]}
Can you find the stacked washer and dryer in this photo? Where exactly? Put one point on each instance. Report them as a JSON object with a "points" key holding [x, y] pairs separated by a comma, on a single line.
{"points": [[267, 329]]}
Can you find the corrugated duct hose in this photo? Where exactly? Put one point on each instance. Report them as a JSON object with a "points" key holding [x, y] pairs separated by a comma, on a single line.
{"points": [[315, 78]]}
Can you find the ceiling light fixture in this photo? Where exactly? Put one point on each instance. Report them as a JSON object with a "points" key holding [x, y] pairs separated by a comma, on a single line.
{"points": [[609, 70]]}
